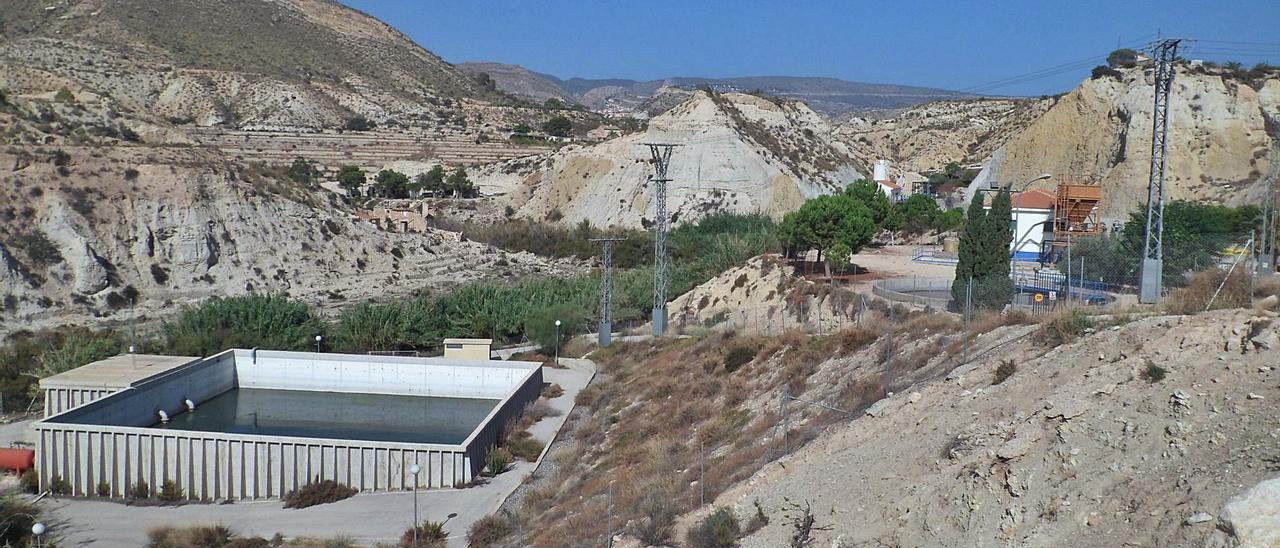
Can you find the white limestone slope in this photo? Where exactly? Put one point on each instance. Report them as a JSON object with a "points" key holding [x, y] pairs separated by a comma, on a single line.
{"points": [[738, 153]]}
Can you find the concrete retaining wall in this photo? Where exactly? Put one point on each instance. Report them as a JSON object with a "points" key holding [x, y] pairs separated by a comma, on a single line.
{"points": [[449, 378], [216, 466], [108, 440]]}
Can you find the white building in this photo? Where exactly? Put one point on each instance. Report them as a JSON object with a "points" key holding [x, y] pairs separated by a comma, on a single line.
{"points": [[1033, 220]]}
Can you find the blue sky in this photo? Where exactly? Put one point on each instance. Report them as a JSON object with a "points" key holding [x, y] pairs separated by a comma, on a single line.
{"points": [[954, 44]]}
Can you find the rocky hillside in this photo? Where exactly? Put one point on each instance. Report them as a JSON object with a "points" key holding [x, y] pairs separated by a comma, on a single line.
{"points": [[284, 64], [92, 218], [929, 136], [738, 152], [521, 82], [1140, 433], [1219, 143]]}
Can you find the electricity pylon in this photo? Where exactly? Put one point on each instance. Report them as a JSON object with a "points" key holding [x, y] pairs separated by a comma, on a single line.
{"points": [[606, 289], [1163, 53], [661, 160]]}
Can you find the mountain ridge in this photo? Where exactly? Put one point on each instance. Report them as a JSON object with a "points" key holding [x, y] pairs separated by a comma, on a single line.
{"points": [[828, 95]]}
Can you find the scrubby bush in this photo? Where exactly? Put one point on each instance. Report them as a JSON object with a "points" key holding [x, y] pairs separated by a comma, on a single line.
{"points": [[497, 460], [318, 492], [18, 516], [59, 486], [64, 95], [358, 123], [738, 356], [1005, 370], [1202, 292], [1153, 373], [39, 249], [30, 481], [1063, 328], [489, 531], [170, 491], [525, 448], [103, 490], [200, 536], [140, 490], [431, 534], [717, 530], [552, 391]]}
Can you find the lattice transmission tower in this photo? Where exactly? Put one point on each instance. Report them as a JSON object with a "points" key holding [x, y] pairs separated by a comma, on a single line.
{"points": [[1163, 54], [661, 161], [606, 289]]}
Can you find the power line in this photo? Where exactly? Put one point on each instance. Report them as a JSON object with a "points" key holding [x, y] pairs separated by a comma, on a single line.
{"points": [[1050, 71]]}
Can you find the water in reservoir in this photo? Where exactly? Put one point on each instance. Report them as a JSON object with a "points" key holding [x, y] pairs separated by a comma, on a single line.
{"points": [[336, 415]]}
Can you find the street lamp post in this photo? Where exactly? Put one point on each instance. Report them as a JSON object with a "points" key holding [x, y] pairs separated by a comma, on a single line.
{"points": [[318, 339], [414, 470], [557, 343]]}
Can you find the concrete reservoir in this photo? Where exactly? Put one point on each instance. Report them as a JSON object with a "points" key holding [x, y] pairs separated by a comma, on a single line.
{"points": [[246, 424]]}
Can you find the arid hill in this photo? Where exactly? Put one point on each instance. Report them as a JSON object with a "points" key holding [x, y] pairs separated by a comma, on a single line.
{"points": [[738, 152]]}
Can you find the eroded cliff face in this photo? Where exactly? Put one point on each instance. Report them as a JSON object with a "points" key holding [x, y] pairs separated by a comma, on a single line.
{"points": [[85, 231], [1220, 148], [738, 152]]}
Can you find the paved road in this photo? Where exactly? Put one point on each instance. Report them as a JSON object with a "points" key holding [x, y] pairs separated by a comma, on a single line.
{"points": [[367, 517]]}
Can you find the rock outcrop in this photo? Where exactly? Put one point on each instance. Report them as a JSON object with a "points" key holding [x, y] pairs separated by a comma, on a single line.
{"points": [[1221, 141], [738, 152]]}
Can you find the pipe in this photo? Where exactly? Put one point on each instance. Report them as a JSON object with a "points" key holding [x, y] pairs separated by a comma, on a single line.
{"points": [[164, 417], [191, 406], [254, 350]]}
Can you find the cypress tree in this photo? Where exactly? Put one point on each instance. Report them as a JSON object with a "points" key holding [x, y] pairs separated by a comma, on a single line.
{"points": [[969, 254], [996, 288]]}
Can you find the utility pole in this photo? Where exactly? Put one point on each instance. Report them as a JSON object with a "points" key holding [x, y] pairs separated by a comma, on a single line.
{"points": [[1266, 263], [661, 161], [1163, 52], [606, 289]]}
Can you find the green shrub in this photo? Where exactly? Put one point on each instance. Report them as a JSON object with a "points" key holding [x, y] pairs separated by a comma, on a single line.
{"points": [[1004, 371], [64, 95], [497, 460], [489, 531], [1153, 373], [318, 492], [140, 490], [19, 516], [30, 481], [431, 534], [738, 356], [39, 249], [103, 490], [170, 491], [540, 325], [59, 486], [525, 448], [717, 530], [270, 322]]}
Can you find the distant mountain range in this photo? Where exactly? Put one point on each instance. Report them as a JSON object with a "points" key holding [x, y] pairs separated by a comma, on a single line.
{"points": [[830, 96]]}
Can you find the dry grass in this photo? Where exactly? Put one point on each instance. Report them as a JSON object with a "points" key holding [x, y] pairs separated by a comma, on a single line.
{"points": [[1196, 296]]}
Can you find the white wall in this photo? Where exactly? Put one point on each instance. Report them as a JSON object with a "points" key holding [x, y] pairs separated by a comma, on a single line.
{"points": [[441, 377], [1026, 219]]}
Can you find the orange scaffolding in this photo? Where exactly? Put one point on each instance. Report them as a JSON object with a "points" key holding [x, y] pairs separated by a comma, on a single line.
{"points": [[1075, 212]]}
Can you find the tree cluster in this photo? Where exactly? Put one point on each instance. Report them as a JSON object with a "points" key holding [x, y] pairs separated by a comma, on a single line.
{"points": [[984, 258], [558, 126]]}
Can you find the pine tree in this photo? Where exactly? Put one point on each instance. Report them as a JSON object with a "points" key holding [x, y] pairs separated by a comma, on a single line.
{"points": [[969, 255]]}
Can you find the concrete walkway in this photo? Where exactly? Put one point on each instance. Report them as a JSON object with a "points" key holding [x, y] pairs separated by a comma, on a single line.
{"points": [[367, 518]]}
